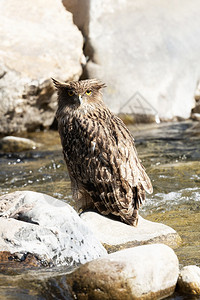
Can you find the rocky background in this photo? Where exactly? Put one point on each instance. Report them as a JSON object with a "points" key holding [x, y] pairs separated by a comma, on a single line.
{"points": [[147, 52]]}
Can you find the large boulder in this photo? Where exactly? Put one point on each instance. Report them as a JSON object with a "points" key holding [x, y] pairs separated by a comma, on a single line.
{"points": [[144, 272], [80, 11], [147, 52], [46, 228], [38, 41], [115, 235]]}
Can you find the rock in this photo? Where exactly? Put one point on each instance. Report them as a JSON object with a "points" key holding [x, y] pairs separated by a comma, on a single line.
{"points": [[47, 228], [197, 92], [16, 144], [11, 263], [115, 235], [144, 272], [189, 280], [195, 113], [196, 109], [38, 41], [141, 55], [130, 119], [195, 116], [80, 12]]}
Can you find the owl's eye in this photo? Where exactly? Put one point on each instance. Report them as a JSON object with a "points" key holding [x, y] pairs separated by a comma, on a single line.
{"points": [[70, 93], [88, 92]]}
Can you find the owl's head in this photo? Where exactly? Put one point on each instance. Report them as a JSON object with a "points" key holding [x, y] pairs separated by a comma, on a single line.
{"points": [[78, 94]]}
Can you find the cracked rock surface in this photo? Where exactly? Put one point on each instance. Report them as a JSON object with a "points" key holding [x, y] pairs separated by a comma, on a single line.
{"points": [[47, 228]]}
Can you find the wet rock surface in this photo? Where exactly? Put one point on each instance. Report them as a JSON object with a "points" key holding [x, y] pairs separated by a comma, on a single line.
{"points": [[47, 228], [144, 272], [189, 280], [11, 263], [16, 144], [36, 44], [115, 235]]}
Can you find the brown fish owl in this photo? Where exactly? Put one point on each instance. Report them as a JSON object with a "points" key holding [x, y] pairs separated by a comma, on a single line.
{"points": [[99, 151]]}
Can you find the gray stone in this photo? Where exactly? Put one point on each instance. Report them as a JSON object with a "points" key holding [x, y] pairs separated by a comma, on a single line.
{"points": [[147, 52], [115, 235], [38, 41], [189, 280], [16, 144], [49, 229], [144, 272]]}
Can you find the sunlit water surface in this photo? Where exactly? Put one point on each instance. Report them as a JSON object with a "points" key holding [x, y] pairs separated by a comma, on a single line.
{"points": [[171, 154]]}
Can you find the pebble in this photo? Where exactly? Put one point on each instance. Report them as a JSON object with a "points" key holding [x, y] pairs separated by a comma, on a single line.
{"points": [[16, 144], [189, 280]]}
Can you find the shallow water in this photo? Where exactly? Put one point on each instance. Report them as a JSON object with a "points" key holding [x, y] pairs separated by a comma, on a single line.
{"points": [[171, 155]]}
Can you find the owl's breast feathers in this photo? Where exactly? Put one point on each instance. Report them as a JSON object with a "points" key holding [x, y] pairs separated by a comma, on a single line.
{"points": [[100, 154]]}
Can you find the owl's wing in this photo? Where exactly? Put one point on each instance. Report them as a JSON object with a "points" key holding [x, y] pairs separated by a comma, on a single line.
{"points": [[128, 153], [113, 174]]}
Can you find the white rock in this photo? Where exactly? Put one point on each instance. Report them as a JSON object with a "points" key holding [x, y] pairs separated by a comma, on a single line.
{"points": [[189, 280], [116, 235], [147, 50], [47, 228], [197, 92], [149, 272], [80, 11], [195, 116], [15, 144], [38, 41]]}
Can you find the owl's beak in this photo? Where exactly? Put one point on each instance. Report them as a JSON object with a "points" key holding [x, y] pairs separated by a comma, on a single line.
{"points": [[80, 98]]}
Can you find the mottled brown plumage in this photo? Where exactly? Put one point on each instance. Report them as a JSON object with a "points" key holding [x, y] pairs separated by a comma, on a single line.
{"points": [[99, 151]]}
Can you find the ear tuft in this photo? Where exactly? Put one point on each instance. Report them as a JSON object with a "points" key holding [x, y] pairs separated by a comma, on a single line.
{"points": [[58, 85], [101, 85], [96, 84]]}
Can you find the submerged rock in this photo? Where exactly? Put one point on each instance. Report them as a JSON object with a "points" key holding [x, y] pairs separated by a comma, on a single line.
{"points": [[144, 272], [116, 235], [47, 228], [189, 280], [11, 263], [16, 144]]}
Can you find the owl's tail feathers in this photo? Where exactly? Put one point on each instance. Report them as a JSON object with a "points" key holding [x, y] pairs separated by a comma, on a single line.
{"points": [[146, 183], [140, 195], [131, 220], [139, 198]]}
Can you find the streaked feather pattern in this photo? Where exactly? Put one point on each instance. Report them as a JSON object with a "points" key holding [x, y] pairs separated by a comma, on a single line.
{"points": [[99, 151]]}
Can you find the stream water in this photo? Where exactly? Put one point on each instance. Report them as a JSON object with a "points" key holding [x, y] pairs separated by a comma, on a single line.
{"points": [[171, 154]]}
